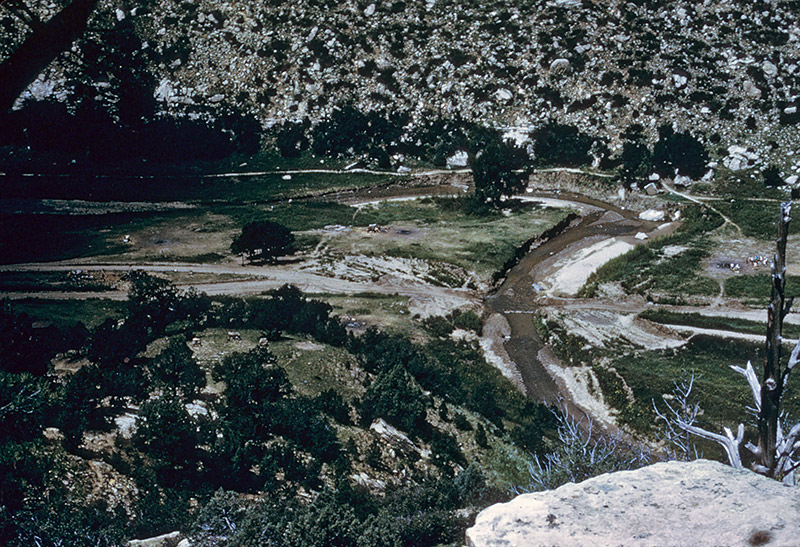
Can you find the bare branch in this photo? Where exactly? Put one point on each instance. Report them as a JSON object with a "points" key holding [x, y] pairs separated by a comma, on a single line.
{"points": [[793, 358], [727, 441], [752, 379]]}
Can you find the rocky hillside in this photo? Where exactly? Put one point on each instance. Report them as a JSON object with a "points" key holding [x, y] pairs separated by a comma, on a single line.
{"points": [[725, 69], [674, 503]]}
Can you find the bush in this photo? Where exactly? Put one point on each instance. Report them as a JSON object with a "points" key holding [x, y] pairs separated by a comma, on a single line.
{"points": [[563, 145], [396, 397], [681, 153], [580, 456]]}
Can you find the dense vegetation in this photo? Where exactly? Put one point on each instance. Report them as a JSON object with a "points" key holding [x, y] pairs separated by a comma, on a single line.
{"points": [[193, 455]]}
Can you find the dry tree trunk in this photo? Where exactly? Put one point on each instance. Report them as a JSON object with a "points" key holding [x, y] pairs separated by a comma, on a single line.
{"points": [[773, 380], [40, 48]]}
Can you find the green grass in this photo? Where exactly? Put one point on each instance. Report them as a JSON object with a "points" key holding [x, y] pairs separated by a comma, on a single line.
{"points": [[646, 269], [757, 219], [189, 188], [318, 367], [743, 184], [722, 393], [65, 313], [758, 287], [439, 234], [24, 281], [388, 310]]}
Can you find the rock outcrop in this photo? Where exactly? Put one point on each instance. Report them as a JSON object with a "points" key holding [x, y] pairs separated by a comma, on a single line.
{"points": [[665, 504]]}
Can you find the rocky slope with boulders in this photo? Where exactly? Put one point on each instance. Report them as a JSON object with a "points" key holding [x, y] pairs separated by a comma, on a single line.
{"points": [[666, 504], [727, 70]]}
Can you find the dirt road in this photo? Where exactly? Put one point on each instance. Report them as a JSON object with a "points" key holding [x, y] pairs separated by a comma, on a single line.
{"points": [[269, 277]]}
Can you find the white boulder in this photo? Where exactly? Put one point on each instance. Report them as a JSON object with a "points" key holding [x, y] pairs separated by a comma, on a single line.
{"points": [[652, 215]]}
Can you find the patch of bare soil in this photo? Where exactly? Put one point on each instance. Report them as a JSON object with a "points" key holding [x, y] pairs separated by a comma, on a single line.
{"points": [[496, 331]]}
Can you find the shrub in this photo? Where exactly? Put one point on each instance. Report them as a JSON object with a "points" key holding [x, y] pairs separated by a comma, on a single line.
{"points": [[556, 144], [396, 397], [681, 153]]}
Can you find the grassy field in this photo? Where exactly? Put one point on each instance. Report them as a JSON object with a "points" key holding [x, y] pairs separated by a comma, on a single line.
{"points": [[666, 269], [758, 287], [65, 313], [429, 230], [722, 393], [229, 190]]}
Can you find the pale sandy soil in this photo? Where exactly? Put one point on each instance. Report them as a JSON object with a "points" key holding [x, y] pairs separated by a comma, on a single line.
{"points": [[572, 271], [575, 383], [496, 331], [602, 328]]}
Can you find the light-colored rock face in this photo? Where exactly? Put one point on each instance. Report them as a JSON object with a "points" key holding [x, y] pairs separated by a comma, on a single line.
{"points": [[666, 504]]}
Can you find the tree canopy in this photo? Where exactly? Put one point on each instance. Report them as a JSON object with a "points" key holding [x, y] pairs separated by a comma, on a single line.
{"points": [[263, 240], [494, 171], [679, 153]]}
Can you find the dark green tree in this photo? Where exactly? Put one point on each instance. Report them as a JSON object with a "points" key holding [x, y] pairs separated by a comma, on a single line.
{"points": [[263, 240], [153, 301], [564, 145], [636, 162], [396, 397], [292, 139], [175, 369], [679, 153], [167, 433], [24, 348], [772, 177], [494, 172]]}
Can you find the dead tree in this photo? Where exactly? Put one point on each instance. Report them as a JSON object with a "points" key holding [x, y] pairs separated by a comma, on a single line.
{"points": [[777, 454]]}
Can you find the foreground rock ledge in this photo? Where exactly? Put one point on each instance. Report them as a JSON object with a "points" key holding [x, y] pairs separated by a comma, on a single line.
{"points": [[665, 504]]}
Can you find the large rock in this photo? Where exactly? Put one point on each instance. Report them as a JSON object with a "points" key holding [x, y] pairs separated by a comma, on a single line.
{"points": [[666, 504]]}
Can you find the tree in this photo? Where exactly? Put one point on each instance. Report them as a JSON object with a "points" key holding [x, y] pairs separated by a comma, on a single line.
{"points": [[43, 45], [175, 369], [395, 396], [636, 161], [777, 454], [494, 171], [772, 177], [167, 433], [556, 144], [24, 348], [152, 300], [679, 153], [263, 240]]}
